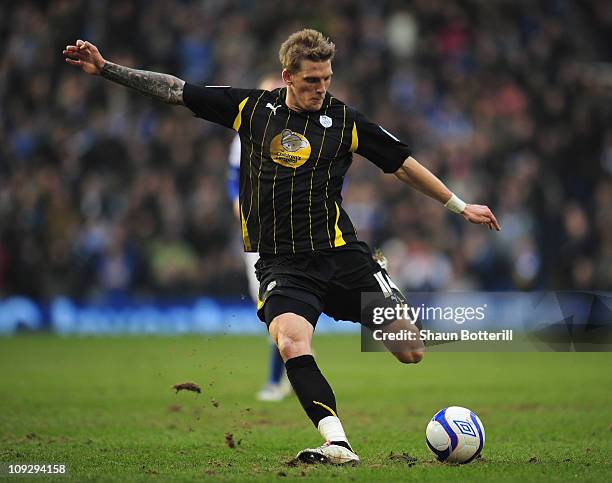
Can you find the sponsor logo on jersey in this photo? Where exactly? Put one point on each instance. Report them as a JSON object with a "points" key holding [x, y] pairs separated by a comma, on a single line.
{"points": [[290, 149]]}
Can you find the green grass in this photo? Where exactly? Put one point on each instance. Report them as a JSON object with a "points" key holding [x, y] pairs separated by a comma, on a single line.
{"points": [[105, 408]]}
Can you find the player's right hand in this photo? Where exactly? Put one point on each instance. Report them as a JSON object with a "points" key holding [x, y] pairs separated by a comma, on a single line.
{"points": [[481, 215], [85, 55]]}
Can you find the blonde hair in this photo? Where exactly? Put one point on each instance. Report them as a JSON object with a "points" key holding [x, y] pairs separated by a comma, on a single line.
{"points": [[306, 44]]}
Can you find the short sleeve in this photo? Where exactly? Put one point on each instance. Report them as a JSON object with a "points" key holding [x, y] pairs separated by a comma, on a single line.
{"points": [[378, 145], [221, 105]]}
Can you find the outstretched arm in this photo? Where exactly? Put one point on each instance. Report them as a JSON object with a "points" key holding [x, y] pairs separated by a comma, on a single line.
{"points": [[163, 87], [423, 180]]}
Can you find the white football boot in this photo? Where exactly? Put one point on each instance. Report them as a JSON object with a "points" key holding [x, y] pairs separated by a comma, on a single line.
{"points": [[328, 453]]}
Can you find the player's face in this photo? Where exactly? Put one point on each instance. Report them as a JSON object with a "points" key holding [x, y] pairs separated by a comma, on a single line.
{"points": [[307, 87]]}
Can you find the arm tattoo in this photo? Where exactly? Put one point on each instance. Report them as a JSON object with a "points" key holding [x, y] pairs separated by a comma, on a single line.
{"points": [[163, 87]]}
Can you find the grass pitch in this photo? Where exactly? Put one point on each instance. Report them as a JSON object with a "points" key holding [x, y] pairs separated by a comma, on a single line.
{"points": [[105, 408]]}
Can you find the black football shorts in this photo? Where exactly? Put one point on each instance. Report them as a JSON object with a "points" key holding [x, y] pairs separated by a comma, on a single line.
{"points": [[329, 281]]}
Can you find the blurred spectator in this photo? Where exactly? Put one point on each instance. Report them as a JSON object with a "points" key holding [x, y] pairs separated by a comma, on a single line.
{"points": [[105, 193]]}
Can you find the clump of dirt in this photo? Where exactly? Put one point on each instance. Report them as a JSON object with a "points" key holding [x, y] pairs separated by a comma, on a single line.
{"points": [[187, 386]]}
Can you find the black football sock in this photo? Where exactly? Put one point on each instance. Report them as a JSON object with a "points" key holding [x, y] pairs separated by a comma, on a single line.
{"points": [[312, 389]]}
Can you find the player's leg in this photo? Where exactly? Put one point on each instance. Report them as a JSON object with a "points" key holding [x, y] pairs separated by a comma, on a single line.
{"points": [[407, 351], [290, 302], [291, 327]]}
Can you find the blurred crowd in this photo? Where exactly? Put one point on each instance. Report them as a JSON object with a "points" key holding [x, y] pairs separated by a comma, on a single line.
{"points": [[107, 193]]}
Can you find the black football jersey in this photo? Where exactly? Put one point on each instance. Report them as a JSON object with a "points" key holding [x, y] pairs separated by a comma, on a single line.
{"points": [[293, 164]]}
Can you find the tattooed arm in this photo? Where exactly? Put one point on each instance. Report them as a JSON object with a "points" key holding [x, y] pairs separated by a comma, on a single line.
{"points": [[163, 87]]}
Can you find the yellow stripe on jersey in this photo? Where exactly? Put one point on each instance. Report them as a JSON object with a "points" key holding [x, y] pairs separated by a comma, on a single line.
{"points": [[326, 407], [354, 138], [339, 241], [238, 119], [245, 232]]}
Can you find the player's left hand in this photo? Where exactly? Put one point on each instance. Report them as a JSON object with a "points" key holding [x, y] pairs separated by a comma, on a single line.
{"points": [[481, 215]]}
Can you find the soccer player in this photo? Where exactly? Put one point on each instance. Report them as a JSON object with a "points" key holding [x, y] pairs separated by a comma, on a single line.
{"points": [[277, 386], [297, 144]]}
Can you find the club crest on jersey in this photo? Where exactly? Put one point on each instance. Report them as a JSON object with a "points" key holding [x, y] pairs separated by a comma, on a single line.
{"points": [[290, 149], [325, 121]]}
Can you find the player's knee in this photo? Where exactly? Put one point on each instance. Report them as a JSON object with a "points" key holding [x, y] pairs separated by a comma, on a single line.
{"points": [[292, 335], [290, 347], [409, 357]]}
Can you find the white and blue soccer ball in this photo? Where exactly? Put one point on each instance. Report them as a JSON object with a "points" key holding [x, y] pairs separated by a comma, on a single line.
{"points": [[455, 435]]}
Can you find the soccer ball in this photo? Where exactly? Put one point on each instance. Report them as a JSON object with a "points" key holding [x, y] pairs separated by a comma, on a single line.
{"points": [[455, 434]]}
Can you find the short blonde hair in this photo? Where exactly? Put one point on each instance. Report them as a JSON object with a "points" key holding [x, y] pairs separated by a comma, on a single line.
{"points": [[306, 44]]}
